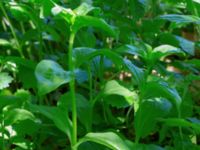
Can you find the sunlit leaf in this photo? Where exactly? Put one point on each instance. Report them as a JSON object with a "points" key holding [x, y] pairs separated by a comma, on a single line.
{"points": [[50, 76], [166, 50], [108, 139], [5, 80], [83, 9], [16, 115], [124, 97]]}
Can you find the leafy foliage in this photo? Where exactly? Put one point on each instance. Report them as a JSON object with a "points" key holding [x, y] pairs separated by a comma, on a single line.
{"points": [[92, 74]]}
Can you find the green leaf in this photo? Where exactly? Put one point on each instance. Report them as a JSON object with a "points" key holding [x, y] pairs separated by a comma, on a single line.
{"points": [[186, 45], [135, 146], [179, 122], [16, 115], [81, 54], [130, 49], [88, 54], [197, 1], [81, 76], [112, 89], [26, 70], [138, 73], [5, 80], [83, 9], [4, 42], [8, 100], [57, 115], [108, 139], [66, 14], [149, 110], [83, 108], [166, 50], [50, 76], [181, 19], [19, 12], [89, 21], [162, 89]]}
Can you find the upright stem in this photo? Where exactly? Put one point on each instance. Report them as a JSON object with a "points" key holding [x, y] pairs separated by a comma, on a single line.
{"points": [[89, 128], [3, 132], [12, 30], [72, 91]]}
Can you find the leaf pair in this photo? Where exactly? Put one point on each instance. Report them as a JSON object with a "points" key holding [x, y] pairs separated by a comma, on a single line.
{"points": [[78, 18], [50, 76]]}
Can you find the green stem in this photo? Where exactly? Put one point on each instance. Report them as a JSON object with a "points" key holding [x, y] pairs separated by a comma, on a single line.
{"points": [[72, 91], [91, 98], [19, 48], [3, 130]]}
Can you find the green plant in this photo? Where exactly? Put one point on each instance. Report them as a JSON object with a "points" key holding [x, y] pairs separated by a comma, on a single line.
{"points": [[118, 75]]}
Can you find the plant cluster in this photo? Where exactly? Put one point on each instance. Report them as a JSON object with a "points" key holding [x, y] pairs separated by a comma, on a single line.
{"points": [[99, 75]]}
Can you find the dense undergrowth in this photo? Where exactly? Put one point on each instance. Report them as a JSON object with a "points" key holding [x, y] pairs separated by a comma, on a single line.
{"points": [[99, 75]]}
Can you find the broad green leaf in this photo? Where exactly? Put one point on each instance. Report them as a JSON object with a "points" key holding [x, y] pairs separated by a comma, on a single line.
{"points": [[130, 49], [4, 42], [80, 54], [112, 89], [25, 72], [83, 108], [91, 145], [81, 76], [17, 115], [181, 19], [108, 139], [57, 115], [16, 99], [5, 80], [8, 100], [179, 122], [166, 50], [89, 21], [92, 53], [22, 143], [83, 9], [50, 76], [135, 146], [19, 12], [137, 72], [149, 110], [66, 14], [162, 89], [197, 1], [186, 45]]}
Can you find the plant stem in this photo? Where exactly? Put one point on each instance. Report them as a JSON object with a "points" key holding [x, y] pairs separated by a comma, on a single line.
{"points": [[72, 91], [3, 130], [91, 98], [19, 48]]}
